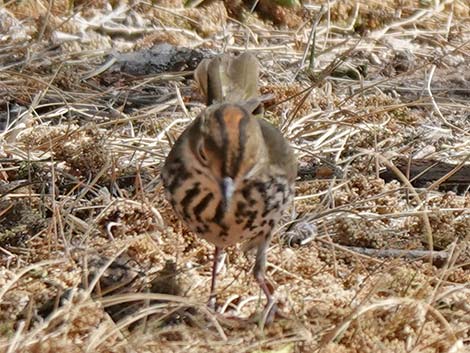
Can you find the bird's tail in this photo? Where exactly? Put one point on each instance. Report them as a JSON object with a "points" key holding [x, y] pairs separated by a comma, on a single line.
{"points": [[228, 79]]}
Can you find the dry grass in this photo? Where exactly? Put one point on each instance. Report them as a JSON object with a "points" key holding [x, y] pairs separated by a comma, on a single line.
{"points": [[92, 259]]}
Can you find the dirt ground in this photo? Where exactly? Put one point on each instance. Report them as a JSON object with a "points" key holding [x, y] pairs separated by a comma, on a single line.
{"points": [[94, 93]]}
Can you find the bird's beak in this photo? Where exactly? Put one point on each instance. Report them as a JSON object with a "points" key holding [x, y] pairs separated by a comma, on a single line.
{"points": [[227, 187]]}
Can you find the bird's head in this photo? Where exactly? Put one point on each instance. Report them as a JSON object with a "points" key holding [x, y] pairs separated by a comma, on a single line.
{"points": [[230, 146]]}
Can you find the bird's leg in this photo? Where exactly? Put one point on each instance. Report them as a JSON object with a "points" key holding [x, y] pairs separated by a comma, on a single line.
{"points": [[259, 271], [215, 270]]}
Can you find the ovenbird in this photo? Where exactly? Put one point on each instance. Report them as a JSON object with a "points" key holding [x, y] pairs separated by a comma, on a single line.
{"points": [[230, 174]]}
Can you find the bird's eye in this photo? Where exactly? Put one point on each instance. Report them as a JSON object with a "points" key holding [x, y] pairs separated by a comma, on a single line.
{"points": [[201, 154]]}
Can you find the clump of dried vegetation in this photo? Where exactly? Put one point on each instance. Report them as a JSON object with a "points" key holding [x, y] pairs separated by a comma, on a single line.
{"points": [[92, 259]]}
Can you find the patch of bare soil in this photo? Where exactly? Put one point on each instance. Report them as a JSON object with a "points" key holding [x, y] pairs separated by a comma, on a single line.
{"points": [[94, 93]]}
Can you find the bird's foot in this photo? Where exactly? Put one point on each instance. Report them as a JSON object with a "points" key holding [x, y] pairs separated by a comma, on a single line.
{"points": [[212, 304], [270, 312]]}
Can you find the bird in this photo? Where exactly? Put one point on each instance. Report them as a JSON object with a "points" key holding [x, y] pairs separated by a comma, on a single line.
{"points": [[230, 174]]}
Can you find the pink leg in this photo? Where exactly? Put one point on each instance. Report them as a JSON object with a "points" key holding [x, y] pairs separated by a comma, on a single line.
{"points": [[212, 296], [259, 272]]}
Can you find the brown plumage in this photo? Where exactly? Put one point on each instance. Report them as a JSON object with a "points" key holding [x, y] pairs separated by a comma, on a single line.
{"points": [[230, 174]]}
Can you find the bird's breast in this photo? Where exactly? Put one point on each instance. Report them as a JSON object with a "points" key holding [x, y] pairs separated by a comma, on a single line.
{"points": [[254, 210]]}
